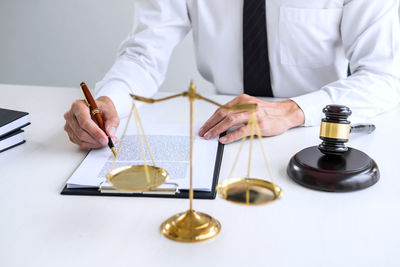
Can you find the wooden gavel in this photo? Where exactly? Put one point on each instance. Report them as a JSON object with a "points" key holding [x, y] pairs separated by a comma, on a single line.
{"points": [[335, 129]]}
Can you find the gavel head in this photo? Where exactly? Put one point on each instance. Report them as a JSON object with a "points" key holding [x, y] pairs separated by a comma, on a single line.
{"points": [[335, 130]]}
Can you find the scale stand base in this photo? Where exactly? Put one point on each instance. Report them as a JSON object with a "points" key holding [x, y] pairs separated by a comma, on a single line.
{"points": [[190, 227], [351, 171]]}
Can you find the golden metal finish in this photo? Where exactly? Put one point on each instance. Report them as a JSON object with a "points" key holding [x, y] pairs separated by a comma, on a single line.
{"points": [[151, 100], [190, 226], [95, 111], [335, 130], [134, 178], [84, 97], [248, 191], [114, 152], [167, 189], [237, 107], [192, 96]]}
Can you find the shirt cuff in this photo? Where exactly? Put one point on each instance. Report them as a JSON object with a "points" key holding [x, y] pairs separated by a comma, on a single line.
{"points": [[312, 104], [118, 92]]}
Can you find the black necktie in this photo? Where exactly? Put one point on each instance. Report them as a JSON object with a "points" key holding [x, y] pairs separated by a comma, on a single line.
{"points": [[256, 75]]}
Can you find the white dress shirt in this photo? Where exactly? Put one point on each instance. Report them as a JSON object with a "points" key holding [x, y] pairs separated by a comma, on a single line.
{"points": [[310, 44]]}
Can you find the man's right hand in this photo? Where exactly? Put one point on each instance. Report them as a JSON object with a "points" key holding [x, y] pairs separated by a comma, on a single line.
{"points": [[84, 131]]}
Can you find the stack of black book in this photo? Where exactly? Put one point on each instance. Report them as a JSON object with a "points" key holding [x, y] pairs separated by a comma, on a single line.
{"points": [[11, 124]]}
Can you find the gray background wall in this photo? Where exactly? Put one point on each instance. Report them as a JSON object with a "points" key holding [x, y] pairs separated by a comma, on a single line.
{"points": [[64, 42]]}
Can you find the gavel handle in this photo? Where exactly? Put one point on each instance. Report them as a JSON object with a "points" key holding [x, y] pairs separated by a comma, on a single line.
{"points": [[362, 128]]}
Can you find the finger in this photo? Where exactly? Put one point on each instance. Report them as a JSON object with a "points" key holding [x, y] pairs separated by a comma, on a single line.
{"points": [[228, 122], [70, 134], [233, 136], [111, 122], [76, 140], [219, 115], [80, 134], [240, 99], [83, 145], [111, 128], [234, 101], [110, 115], [69, 130], [82, 114]]}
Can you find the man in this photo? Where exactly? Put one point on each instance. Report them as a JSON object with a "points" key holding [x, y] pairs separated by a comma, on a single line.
{"points": [[296, 49]]}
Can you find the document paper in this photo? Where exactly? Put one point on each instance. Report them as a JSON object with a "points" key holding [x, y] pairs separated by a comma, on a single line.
{"points": [[170, 146]]}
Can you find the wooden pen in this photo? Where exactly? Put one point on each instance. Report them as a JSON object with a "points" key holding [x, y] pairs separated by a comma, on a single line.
{"points": [[95, 112]]}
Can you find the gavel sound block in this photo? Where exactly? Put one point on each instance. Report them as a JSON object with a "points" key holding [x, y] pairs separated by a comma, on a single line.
{"points": [[332, 166]]}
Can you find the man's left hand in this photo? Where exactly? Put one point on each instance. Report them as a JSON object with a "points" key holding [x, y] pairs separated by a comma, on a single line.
{"points": [[274, 118]]}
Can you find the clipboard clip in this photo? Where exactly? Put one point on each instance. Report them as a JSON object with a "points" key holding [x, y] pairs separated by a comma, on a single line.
{"points": [[166, 189]]}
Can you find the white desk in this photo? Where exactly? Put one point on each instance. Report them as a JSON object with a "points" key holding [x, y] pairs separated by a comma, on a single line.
{"points": [[40, 227]]}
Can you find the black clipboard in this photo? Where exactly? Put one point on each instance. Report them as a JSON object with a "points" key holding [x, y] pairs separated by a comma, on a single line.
{"points": [[179, 194]]}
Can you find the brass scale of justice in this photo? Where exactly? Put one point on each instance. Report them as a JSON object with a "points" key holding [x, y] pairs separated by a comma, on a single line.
{"points": [[193, 226]]}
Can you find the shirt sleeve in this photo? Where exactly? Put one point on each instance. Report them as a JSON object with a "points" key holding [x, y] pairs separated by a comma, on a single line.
{"points": [[143, 57], [371, 39]]}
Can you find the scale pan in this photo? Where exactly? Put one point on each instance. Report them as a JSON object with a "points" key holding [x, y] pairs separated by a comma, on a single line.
{"points": [[133, 178], [248, 191]]}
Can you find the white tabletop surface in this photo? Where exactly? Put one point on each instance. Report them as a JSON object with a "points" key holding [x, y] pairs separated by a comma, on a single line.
{"points": [[40, 227]]}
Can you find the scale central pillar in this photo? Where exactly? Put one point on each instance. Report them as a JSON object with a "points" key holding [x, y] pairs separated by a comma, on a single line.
{"points": [[191, 226]]}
